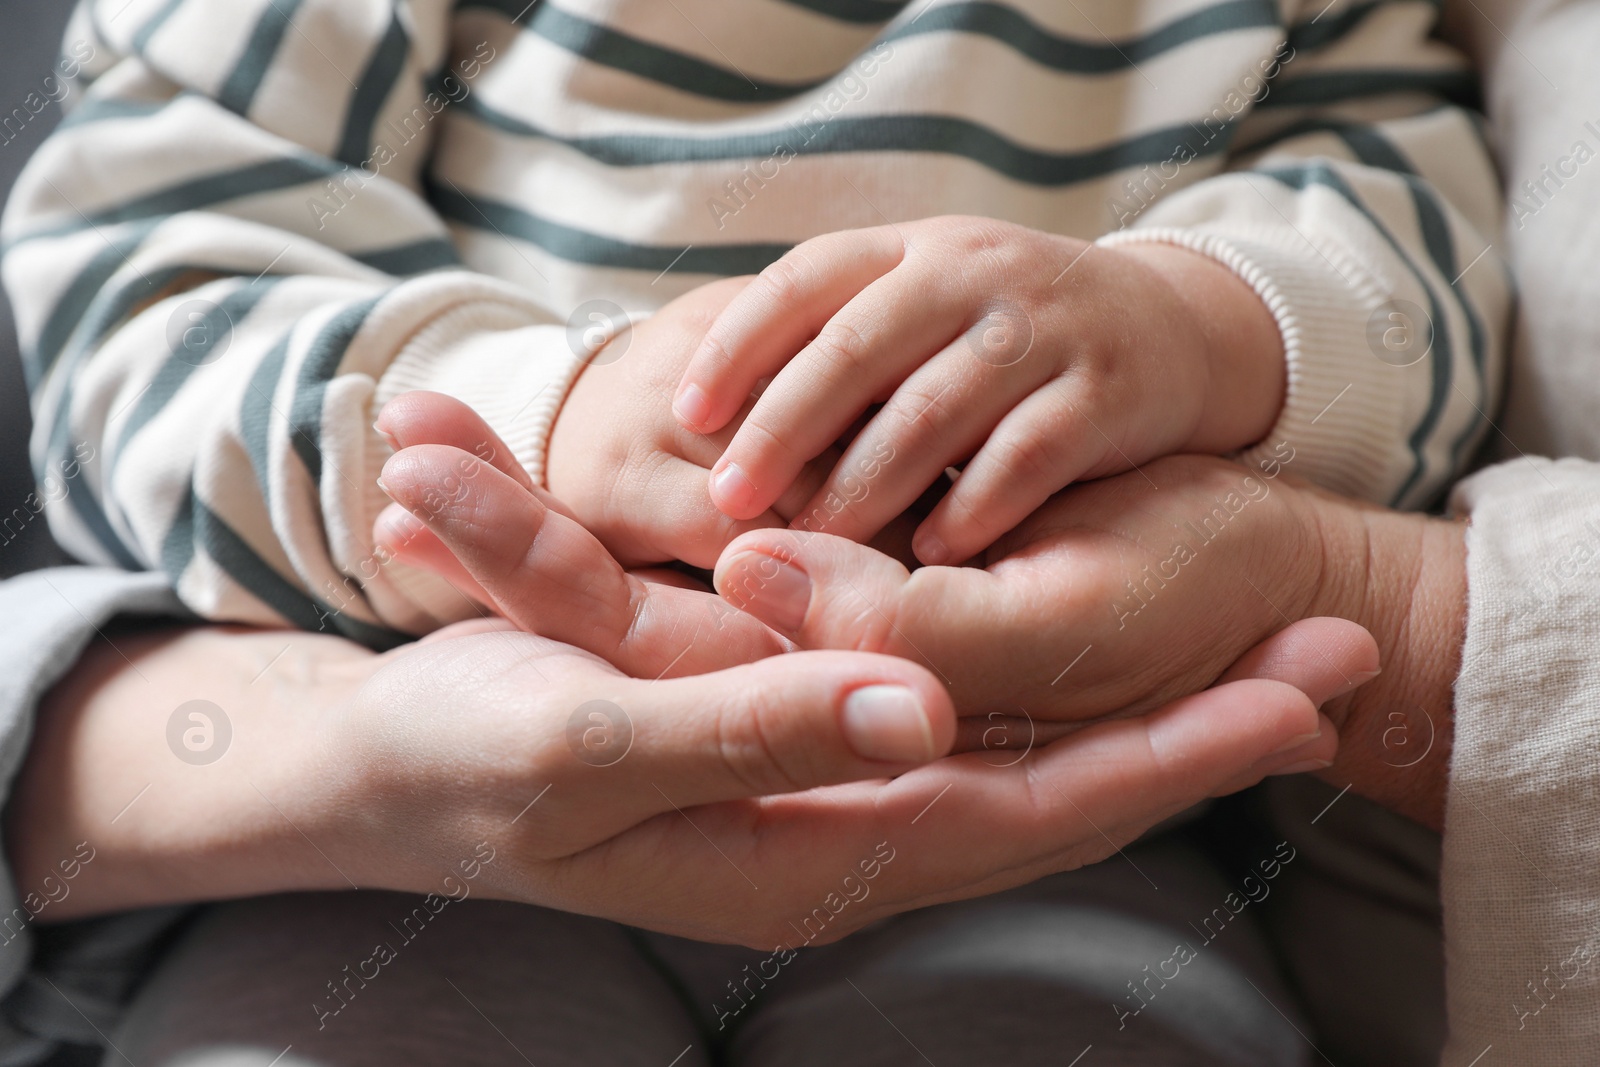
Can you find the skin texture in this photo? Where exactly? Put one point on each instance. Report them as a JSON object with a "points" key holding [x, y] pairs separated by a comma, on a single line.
{"points": [[1087, 609], [625, 468], [1036, 360], [448, 766], [397, 771], [1089, 606]]}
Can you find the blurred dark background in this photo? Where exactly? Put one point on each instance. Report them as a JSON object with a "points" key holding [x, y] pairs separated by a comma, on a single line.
{"points": [[30, 36]]}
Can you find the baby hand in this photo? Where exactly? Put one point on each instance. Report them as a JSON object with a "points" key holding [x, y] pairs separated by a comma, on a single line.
{"points": [[1037, 359], [625, 468]]}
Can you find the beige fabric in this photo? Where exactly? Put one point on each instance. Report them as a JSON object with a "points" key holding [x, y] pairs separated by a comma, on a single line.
{"points": [[1521, 875], [1521, 868]]}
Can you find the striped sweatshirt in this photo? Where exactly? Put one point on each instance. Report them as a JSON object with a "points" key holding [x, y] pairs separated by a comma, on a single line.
{"points": [[261, 219]]}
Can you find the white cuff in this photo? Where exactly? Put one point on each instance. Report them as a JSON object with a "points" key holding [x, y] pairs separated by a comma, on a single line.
{"points": [[1343, 411], [514, 375], [486, 355]]}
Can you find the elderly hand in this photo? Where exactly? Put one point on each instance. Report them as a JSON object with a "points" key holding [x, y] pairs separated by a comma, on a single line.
{"points": [[1128, 592]]}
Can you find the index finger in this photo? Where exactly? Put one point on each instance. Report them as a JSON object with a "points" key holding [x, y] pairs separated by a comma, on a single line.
{"points": [[777, 313]]}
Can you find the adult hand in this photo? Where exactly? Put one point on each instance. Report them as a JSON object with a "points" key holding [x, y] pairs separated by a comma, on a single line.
{"points": [[1125, 593], [478, 761], [465, 509]]}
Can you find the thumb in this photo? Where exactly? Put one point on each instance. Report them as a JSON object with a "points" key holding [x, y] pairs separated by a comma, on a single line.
{"points": [[779, 725], [1324, 658], [820, 590]]}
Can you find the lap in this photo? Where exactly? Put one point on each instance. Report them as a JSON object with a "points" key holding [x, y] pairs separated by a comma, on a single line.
{"points": [[1163, 955], [368, 978], [1104, 957]]}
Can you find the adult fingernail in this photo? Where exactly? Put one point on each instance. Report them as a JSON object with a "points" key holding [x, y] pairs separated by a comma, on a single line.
{"points": [[389, 438], [1302, 767], [929, 548], [777, 593], [1296, 742], [692, 407], [731, 487], [1356, 681], [888, 722]]}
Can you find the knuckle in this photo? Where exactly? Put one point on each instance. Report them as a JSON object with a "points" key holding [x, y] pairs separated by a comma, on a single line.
{"points": [[785, 280], [746, 749], [714, 356], [1030, 457], [503, 570], [988, 246], [844, 346], [475, 527], [973, 510], [924, 413], [763, 439], [974, 231], [887, 626]]}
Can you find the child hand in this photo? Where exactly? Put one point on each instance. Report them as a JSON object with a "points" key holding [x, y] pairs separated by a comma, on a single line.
{"points": [[1042, 358], [627, 470]]}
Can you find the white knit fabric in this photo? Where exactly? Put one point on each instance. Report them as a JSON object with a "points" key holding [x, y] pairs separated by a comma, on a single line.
{"points": [[338, 200]]}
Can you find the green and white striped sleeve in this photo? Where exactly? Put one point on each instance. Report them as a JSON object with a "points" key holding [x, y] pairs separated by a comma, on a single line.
{"points": [[222, 264], [1361, 202]]}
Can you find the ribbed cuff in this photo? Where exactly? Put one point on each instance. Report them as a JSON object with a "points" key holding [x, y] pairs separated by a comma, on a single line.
{"points": [[1343, 411], [485, 355], [514, 375]]}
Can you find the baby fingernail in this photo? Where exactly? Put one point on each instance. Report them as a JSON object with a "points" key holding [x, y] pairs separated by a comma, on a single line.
{"points": [[930, 549], [731, 487], [1303, 766], [888, 722], [692, 407], [777, 593]]}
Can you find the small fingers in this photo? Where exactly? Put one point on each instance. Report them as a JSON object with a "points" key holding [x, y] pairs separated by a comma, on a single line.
{"points": [[776, 314], [1034, 451], [862, 353], [935, 419]]}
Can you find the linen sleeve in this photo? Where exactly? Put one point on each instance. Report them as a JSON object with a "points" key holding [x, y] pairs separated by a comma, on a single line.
{"points": [[1521, 868], [58, 983]]}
